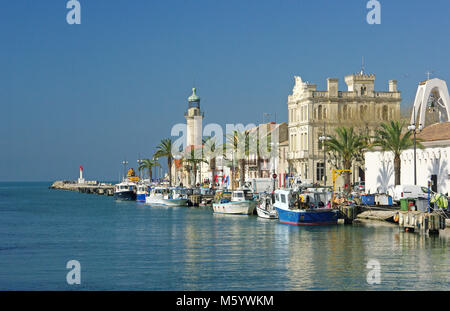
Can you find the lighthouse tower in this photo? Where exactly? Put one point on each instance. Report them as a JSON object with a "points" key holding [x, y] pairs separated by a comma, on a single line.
{"points": [[194, 119], [81, 179]]}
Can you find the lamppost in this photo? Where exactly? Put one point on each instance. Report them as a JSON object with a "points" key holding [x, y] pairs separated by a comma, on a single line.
{"points": [[139, 162], [124, 162], [274, 146], [412, 127], [322, 139]]}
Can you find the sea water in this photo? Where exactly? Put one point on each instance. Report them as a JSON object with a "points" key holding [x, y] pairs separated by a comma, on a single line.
{"points": [[134, 246]]}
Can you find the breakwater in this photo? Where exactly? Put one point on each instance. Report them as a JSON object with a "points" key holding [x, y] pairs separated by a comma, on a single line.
{"points": [[88, 187]]}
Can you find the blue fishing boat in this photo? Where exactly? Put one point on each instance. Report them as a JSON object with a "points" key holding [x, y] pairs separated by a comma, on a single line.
{"points": [[143, 189], [297, 208]]}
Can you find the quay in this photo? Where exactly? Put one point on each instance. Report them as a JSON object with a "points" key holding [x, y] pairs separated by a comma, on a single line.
{"points": [[87, 187]]}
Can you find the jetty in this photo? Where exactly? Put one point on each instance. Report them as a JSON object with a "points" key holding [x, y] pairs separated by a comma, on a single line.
{"points": [[93, 187]]}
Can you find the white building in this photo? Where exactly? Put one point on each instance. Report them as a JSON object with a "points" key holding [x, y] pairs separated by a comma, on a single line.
{"points": [[432, 160]]}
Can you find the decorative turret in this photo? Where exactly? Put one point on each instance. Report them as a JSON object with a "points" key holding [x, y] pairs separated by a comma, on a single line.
{"points": [[194, 120], [194, 98]]}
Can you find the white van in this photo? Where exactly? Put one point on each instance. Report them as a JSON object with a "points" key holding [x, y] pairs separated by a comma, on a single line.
{"points": [[409, 191]]}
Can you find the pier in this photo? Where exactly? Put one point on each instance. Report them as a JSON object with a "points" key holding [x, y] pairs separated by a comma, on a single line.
{"points": [[92, 187]]}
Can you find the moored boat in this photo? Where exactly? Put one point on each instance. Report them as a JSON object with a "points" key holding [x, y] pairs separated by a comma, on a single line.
{"points": [[125, 191], [175, 198], [142, 190], [300, 209], [265, 208], [241, 203], [156, 195]]}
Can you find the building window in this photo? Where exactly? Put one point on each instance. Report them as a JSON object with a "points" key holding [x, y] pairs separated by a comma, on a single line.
{"points": [[319, 112], [385, 113], [344, 112], [320, 171]]}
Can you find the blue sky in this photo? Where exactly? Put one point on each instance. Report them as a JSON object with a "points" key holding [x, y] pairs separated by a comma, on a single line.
{"points": [[112, 87]]}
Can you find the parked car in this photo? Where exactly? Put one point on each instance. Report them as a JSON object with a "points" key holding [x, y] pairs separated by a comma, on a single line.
{"points": [[409, 191], [359, 186]]}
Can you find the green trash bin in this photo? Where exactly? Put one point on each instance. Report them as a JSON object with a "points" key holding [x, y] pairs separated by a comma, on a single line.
{"points": [[405, 203]]}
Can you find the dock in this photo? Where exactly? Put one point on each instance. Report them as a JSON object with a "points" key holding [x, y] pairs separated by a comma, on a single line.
{"points": [[88, 187]]}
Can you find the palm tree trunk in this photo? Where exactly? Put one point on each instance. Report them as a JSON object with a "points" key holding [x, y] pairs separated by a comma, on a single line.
{"points": [[212, 164], [347, 166], [397, 169], [150, 174], [258, 166], [169, 164], [195, 174], [241, 172]]}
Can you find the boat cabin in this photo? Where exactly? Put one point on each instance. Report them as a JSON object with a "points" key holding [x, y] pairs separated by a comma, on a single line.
{"points": [[125, 187], [241, 195]]}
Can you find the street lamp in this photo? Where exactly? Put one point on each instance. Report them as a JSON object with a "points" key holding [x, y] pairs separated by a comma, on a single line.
{"points": [[412, 127], [323, 139], [274, 176], [139, 162], [124, 162]]}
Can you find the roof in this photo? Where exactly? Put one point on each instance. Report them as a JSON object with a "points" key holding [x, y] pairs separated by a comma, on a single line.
{"points": [[194, 97], [434, 132]]}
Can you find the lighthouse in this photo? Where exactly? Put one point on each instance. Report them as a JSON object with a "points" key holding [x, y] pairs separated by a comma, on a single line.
{"points": [[81, 179], [194, 118]]}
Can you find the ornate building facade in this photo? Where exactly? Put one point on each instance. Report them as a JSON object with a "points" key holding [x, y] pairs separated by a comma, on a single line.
{"points": [[314, 113]]}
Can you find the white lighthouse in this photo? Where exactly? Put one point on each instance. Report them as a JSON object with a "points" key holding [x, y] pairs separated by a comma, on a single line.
{"points": [[81, 179], [194, 119]]}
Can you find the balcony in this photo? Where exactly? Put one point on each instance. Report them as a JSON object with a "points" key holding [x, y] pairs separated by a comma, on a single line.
{"points": [[298, 154]]}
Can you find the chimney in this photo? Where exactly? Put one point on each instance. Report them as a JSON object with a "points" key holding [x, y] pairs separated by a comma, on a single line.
{"points": [[332, 87], [392, 85]]}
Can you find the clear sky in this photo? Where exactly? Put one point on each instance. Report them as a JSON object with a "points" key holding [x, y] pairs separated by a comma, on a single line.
{"points": [[112, 87]]}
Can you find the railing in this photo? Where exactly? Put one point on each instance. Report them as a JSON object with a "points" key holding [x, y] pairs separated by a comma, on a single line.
{"points": [[298, 154]]}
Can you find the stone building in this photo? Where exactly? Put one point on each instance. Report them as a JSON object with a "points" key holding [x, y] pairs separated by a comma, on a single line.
{"points": [[314, 113]]}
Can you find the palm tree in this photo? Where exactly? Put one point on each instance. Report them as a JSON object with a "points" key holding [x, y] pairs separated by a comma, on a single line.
{"points": [[149, 164], [347, 146], [390, 138], [239, 143], [211, 146], [164, 149]]}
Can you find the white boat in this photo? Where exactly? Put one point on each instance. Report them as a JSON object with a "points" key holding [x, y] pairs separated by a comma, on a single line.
{"points": [[241, 203], [265, 208], [175, 198], [157, 195]]}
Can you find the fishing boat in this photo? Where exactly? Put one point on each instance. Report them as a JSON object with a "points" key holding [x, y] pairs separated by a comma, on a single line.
{"points": [[175, 197], [143, 189], [241, 203], [302, 208], [265, 208], [156, 195], [125, 191]]}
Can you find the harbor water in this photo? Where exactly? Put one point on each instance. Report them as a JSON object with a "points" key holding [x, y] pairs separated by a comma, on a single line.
{"points": [[131, 246]]}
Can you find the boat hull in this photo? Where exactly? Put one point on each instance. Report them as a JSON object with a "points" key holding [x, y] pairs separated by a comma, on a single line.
{"points": [[266, 214], [175, 202], [125, 196], [308, 217], [235, 208], [140, 197], [150, 200]]}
